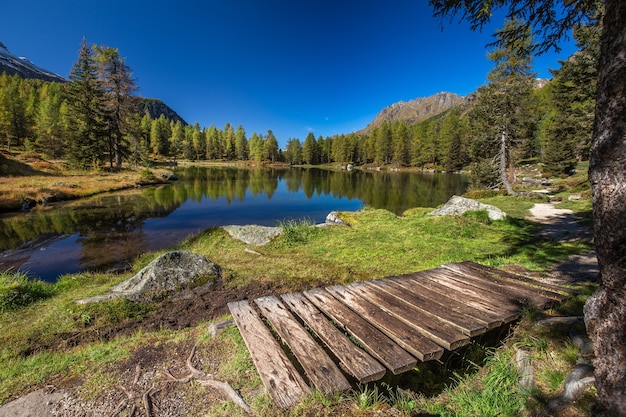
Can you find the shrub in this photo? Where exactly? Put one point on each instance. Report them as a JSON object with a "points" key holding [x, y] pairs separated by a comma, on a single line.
{"points": [[17, 290]]}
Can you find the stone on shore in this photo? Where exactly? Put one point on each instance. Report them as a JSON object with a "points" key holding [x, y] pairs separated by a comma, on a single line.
{"points": [[169, 273], [458, 205], [253, 234]]}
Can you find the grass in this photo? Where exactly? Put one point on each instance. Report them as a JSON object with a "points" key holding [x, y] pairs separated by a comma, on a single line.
{"points": [[35, 316]]}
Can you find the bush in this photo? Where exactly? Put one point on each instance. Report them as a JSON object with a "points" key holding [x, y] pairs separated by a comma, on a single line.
{"points": [[17, 290]]}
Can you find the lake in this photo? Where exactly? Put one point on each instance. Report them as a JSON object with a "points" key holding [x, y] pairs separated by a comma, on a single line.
{"points": [[109, 230]]}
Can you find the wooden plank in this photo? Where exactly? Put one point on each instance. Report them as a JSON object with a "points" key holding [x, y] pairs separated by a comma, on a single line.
{"points": [[373, 340], [555, 292], [467, 325], [317, 365], [432, 327], [522, 296], [506, 310], [281, 379], [449, 299], [353, 359], [403, 334]]}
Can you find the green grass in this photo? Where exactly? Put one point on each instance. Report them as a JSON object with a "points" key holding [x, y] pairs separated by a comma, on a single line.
{"points": [[35, 317]]}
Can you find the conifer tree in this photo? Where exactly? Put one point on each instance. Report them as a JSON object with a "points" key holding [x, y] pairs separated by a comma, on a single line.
{"points": [[241, 144], [118, 85], [271, 147], [310, 150], [87, 145], [501, 108], [49, 123]]}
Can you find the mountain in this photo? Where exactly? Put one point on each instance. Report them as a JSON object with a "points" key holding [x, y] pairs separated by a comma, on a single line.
{"points": [[12, 64], [418, 110], [154, 108]]}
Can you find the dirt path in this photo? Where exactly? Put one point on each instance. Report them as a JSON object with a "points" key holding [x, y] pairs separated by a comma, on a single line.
{"points": [[562, 225]]}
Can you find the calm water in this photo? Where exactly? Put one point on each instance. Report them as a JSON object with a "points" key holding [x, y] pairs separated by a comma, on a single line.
{"points": [[110, 230]]}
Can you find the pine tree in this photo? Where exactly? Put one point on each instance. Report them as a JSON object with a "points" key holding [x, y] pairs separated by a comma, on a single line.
{"points": [[118, 85], [501, 108], [310, 150], [87, 145]]}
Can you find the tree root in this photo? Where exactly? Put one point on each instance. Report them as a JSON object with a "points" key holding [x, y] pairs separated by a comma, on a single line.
{"points": [[208, 380]]}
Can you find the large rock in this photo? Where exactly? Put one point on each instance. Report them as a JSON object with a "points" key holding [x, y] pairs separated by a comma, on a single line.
{"points": [[253, 234], [457, 205], [167, 274]]}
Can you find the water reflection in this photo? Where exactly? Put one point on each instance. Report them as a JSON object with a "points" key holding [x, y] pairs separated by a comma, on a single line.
{"points": [[111, 229]]}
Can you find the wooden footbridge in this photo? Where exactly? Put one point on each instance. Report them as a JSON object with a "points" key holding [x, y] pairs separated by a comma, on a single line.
{"points": [[374, 326]]}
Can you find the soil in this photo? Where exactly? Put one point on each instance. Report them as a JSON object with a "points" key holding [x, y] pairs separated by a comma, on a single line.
{"points": [[202, 304]]}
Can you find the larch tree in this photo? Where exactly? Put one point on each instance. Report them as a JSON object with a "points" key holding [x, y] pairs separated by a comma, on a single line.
{"points": [[605, 311], [118, 85], [87, 146]]}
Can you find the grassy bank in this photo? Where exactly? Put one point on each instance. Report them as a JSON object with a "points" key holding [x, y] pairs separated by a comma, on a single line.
{"points": [[28, 178], [95, 349]]}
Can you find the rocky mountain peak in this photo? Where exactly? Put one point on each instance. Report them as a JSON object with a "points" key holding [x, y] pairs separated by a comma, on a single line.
{"points": [[417, 110], [12, 64]]}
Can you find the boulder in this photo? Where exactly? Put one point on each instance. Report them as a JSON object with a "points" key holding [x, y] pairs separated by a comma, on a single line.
{"points": [[253, 234], [333, 218], [457, 205], [166, 275]]}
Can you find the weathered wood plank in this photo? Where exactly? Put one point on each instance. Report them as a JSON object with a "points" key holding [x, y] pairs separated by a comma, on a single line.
{"points": [[469, 326], [450, 299], [556, 292], [402, 333], [523, 296], [353, 359], [317, 365], [507, 310], [281, 379], [432, 327], [373, 340]]}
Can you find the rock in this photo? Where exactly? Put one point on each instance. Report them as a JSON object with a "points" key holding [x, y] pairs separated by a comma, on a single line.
{"points": [[574, 197], [253, 234], [333, 218], [167, 274], [350, 167], [457, 205], [38, 403]]}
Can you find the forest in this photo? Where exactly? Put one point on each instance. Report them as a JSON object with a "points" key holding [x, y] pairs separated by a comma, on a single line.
{"points": [[93, 122]]}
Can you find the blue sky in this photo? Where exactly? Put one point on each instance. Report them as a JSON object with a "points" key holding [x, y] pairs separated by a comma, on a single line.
{"points": [[292, 66]]}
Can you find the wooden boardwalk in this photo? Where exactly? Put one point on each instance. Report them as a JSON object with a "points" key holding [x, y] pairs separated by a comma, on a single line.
{"points": [[374, 326]]}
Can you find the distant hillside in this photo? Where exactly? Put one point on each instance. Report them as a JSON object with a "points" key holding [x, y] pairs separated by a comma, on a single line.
{"points": [[418, 110], [12, 65], [155, 108]]}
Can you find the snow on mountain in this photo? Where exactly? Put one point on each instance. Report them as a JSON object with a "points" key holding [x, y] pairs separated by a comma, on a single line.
{"points": [[12, 64]]}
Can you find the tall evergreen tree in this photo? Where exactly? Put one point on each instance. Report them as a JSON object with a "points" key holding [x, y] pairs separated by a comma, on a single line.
{"points": [[118, 85], [310, 150], [573, 92], [12, 112], [87, 145], [501, 108]]}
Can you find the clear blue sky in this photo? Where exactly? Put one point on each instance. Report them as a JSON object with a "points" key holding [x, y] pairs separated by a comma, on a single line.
{"points": [[292, 66]]}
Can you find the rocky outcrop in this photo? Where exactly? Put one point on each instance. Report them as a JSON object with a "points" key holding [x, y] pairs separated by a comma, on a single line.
{"points": [[253, 234], [457, 205], [417, 110], [166, 275]]}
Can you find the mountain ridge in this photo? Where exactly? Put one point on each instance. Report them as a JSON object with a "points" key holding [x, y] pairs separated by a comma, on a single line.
{"points": [[12, 64], [417, 110]]}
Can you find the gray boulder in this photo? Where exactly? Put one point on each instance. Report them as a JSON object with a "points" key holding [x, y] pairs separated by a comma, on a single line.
{"points": [[166, 275], [333, 218], [458, 205], [253, 234]]}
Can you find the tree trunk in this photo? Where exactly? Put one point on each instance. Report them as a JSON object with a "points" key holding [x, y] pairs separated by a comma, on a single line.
{"points": [[504, 175], [605, 311]]}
